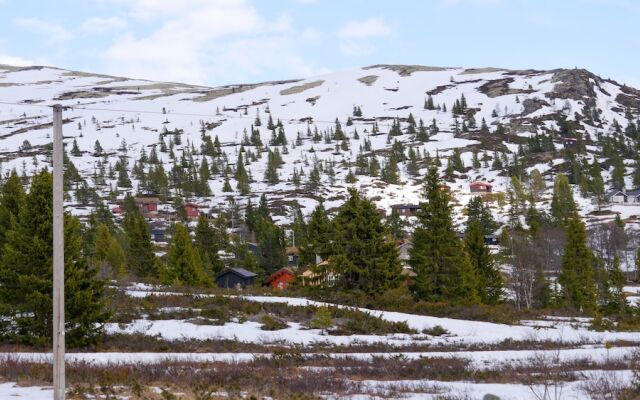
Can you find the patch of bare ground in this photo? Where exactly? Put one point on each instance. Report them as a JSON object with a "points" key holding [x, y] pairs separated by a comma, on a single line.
{"points": [[368, 80], [301, 88], [406, 70], [500, 87], [471, 71]]}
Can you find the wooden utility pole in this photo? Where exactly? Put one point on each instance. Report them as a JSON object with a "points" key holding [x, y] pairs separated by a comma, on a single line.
{"points": [[58, 258]]}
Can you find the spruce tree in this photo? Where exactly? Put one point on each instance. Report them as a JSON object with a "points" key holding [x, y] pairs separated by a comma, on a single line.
{"points": [[577, 273], [11, 203], [617, 302], [444, 272], [478, 210], [26, 277], [489, 284], [241, 176], [183, 262], [108, 254], [562, 204], [209, 240], [320, 237], [366, 257], [140, 255]]}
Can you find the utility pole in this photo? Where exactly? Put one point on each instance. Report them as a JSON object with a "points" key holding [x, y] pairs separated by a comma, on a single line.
{"points": [[58, 258]]}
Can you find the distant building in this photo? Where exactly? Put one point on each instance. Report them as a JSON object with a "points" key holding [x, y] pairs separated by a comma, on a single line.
{"points": [[480, 187], [621, 196], [403, 252], [320, 276], [235, 278], [293, 255], [569, 142], [192, 210], [444, 187], [406, 210], [492, 240], [148, 206], [281, 278], [253, 248]]}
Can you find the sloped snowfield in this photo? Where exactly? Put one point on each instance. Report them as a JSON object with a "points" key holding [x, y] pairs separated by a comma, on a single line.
{"points": [[135, 112]]}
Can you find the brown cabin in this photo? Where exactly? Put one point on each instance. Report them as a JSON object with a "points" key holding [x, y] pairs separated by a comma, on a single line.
{"points": [[407, 210]]}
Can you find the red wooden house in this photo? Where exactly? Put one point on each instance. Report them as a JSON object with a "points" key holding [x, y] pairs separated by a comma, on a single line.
{"points": [[281, 278], [192, 210], [148, 206], [480, 187]]}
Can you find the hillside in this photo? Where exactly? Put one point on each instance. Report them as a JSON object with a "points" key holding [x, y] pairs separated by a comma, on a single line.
{"points": [[504, 109]]}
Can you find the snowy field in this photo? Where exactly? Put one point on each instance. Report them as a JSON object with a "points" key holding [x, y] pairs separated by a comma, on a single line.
{"points": [[574, 344]]}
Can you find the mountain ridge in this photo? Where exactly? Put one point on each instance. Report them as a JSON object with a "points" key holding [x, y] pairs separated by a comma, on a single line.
{"points": [[505, 109]]}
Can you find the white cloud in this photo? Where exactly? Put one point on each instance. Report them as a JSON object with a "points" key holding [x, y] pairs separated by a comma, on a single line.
{"points": [[15, 61], [53, 32], [356, 36], [372, 27], [211, 41], [101, 25]]}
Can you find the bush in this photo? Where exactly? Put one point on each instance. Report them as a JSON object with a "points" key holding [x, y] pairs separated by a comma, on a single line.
{"points": [[272, 324], [396, 299], [435, 331], [360, 323], [221, 315]]}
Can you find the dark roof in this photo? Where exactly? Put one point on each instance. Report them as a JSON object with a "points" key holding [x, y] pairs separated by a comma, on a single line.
{"points": [[410, 206], [238, 271], [632, 193]]}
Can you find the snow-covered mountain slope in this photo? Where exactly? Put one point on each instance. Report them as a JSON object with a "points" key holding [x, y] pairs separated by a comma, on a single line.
{"points": [[117, 111]]}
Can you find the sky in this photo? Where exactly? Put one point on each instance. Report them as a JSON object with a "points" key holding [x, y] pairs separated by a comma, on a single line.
{"points": [[217, 42]]}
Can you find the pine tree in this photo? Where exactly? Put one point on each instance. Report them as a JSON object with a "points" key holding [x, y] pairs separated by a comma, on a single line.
{"points": [[322, 319], [11, 203], [366, 257], [320, 237], [26, 277], [75, 150], [489, 284], [209, 240], [444, 272], [478, 210], [140, 255], [617, 176], [203, 186], [617, 302], [108, 254], [576, 276], [271, 173], [97, 149], [562, 204], [183, 262], [241, 176]]}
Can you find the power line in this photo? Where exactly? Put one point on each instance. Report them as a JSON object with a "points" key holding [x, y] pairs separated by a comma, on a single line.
{"points": [[218, 116]]}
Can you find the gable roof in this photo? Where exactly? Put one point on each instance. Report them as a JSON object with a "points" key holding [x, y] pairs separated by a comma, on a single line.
{"points": [[480, 183], [279, 272], [238, 271]]}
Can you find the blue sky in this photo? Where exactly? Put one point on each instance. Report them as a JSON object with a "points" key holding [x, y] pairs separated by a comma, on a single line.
{"points": [[236, 41]]}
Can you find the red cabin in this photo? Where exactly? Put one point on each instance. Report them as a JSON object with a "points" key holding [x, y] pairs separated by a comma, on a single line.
{"points": [[480, 187], [148, 206], [192, 210], [281, 278]]}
